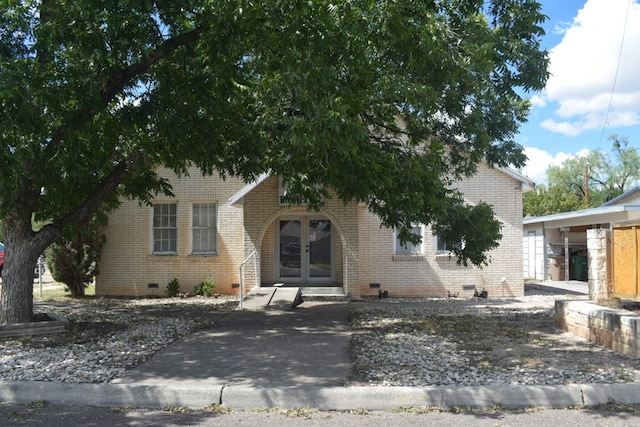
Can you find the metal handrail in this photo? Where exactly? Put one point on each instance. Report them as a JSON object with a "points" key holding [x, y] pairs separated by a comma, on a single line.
{"points": [[240, 272]]}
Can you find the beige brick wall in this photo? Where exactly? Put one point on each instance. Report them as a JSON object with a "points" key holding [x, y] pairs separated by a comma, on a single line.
{"points": [[363, 250], [434, 275], [128, 265], [261, 212]]}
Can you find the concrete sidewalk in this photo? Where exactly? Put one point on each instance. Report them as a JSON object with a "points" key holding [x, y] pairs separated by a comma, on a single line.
{"points": [[271, 348], [287, 359], [560, 287]]}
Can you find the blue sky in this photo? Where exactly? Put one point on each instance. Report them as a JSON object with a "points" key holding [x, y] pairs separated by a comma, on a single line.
{"points": [[576, 111]]}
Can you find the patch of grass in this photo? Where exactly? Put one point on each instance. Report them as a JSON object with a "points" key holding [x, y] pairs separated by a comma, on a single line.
{"points": [[532, 362], [25, 340], [218, 409], [122, 409], [36, 404], [485, 364], [305, 412], [541, 342], [417, 410], [613, 406], [177, 409], [478, 347], [426, 324], [514, 333], [623, 375], [358, 411], [496, 407], [59, 294]]}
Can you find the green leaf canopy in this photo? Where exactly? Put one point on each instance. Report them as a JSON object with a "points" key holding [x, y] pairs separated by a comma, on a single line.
{"points": [[385, 102]]}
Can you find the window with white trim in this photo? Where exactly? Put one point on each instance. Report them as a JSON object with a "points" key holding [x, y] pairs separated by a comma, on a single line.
{"points": [[204, 230], [409, 248], [442, 247], [165, 229]]}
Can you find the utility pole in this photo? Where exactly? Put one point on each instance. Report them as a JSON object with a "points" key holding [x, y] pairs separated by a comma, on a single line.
{"points": [[586, 183]]}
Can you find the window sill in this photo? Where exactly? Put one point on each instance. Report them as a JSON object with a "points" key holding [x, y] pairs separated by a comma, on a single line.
{"points": [[444, 255], [204, 255], [408, 257], [163, 258]]}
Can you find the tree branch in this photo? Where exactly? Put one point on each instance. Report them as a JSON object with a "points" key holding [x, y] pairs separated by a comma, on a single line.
{"points": [[122, 78], [119, 81]]}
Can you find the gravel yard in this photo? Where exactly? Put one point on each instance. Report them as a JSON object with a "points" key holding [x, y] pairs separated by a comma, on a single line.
{"points": [[454, 343], [106, 337], [395, 342]]}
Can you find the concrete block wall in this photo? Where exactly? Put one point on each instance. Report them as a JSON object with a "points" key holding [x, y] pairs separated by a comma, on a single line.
{"points": [[128, 265], [618, 330], [434, 275], [598, 247]]}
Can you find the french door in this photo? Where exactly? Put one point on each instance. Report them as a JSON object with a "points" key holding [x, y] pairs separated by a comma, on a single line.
{"points": [[304, 250]]}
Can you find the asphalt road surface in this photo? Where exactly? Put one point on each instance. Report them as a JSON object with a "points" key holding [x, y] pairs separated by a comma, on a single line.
{"points": [[41, 413]]}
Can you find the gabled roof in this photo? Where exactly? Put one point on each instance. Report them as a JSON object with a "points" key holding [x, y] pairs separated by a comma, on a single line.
{"points": [[527, 183], [236, 199], [621, 197]]}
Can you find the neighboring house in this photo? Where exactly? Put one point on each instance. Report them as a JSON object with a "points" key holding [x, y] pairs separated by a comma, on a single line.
{"points": [[552, 242], [212, 227]]}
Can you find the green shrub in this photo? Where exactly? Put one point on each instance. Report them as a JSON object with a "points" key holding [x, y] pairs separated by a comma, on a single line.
{"points": [[173, 288], [205, 288]]}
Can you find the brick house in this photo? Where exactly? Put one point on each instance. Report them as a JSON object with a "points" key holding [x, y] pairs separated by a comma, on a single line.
{"points": [[213, 226]]}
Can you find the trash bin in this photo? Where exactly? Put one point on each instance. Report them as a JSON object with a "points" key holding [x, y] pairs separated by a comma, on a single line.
{"points": [[580, 268], [556, 267]]}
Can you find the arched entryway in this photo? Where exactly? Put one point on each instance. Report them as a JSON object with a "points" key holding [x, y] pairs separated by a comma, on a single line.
{"points": [[305, 249], [302, 248]]}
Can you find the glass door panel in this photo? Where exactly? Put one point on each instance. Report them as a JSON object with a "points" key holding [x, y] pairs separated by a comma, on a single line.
{"points": [[319, 247], [290, 249]]}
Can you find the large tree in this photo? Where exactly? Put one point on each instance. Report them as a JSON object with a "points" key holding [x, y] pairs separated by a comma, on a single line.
{"points": [[385, 102]]}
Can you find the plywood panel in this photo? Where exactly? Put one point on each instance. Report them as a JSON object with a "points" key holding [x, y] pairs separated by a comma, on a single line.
{"points": [[625, 262]]}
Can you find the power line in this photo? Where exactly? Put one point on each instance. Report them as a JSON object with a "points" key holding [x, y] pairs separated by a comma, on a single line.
{"points": [[615, 78]]}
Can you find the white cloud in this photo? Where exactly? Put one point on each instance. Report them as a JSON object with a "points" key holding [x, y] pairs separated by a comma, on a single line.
{"points": [[538, 101], [540, 160], [583, 69]]}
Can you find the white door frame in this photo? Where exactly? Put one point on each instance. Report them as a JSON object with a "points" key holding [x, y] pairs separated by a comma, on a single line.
{"points": [[305, 241]]}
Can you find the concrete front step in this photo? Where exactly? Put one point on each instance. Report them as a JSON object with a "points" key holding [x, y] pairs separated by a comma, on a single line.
{"points": [[314, 293], [275, 298], [281, 297]]}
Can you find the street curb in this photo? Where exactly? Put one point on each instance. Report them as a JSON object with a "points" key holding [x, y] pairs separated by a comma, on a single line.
{"points": [[322, 398], [597, 394], [384, 398], [110, 395]]}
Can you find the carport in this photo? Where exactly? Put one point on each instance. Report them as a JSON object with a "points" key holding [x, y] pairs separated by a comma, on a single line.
{"points": [[555, 246]]}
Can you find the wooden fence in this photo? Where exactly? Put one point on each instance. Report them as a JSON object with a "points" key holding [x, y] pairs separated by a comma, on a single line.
{"points": [[625, 254]]}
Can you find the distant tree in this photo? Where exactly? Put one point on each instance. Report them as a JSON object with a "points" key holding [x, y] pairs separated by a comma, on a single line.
{"points": [[569, 177], [550, 200], [622, 173], [607, 176]]}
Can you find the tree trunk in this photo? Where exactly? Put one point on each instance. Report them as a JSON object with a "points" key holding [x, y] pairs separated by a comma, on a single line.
{"points": [[22, 249], [16, 301], [77, 289]]}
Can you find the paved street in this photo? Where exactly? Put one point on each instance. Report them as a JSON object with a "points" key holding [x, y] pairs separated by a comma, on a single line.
{"points": [[64, 416]]}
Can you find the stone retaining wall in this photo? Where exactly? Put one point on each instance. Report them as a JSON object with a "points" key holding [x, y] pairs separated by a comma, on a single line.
{"points": [[618, 330]]}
